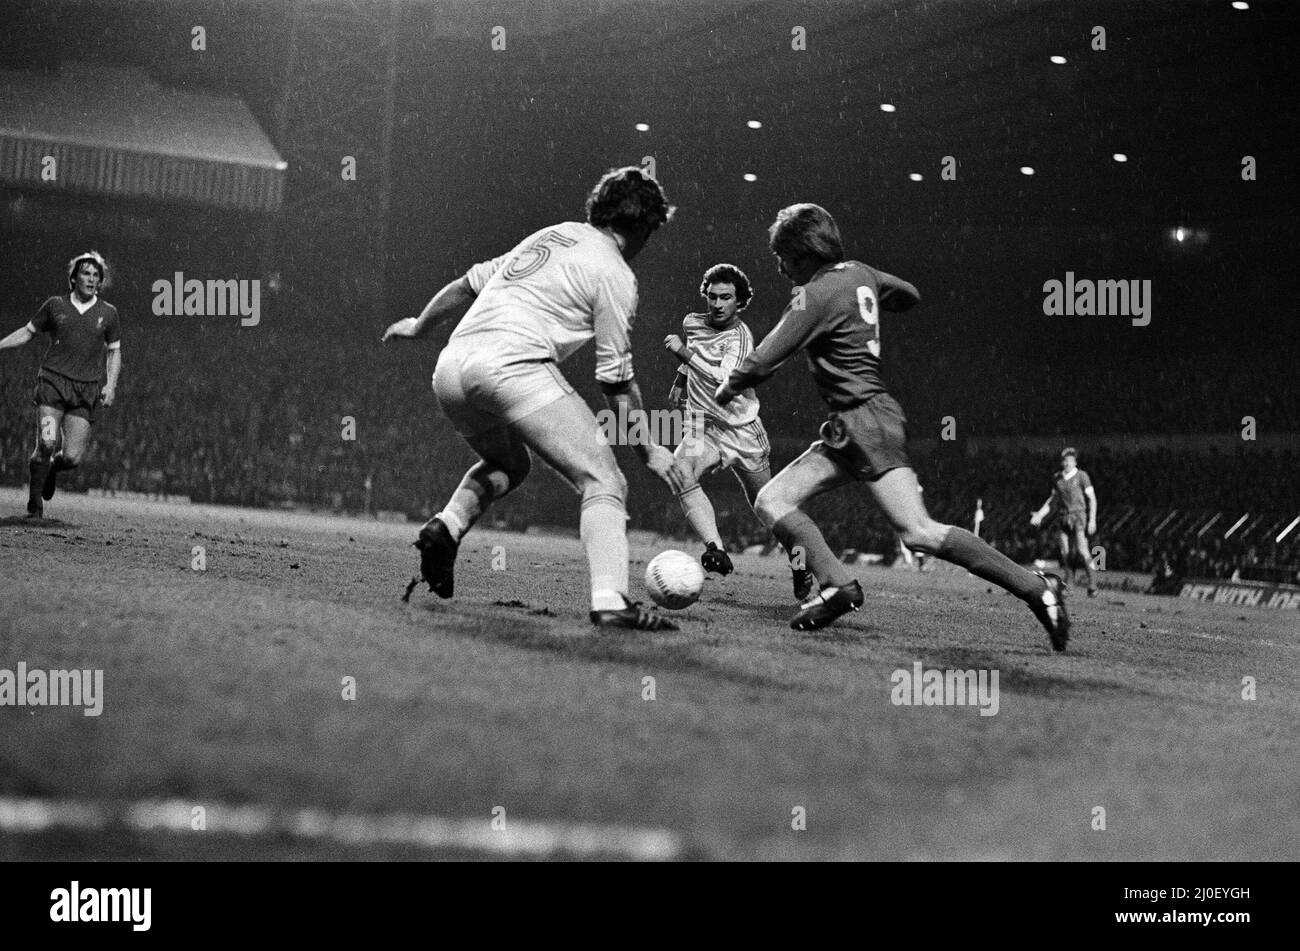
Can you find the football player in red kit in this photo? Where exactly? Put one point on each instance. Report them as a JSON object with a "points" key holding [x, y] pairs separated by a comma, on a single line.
{"points": [[834, 315], [1075, 502], [78, 374]]}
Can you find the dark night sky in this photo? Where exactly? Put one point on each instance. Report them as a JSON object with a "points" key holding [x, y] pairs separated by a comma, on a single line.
{"points": [[491, 145]]}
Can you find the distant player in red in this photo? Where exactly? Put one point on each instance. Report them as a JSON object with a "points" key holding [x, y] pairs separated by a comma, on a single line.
{"points": [[77, 376], [1075, 503], [834, 315]]}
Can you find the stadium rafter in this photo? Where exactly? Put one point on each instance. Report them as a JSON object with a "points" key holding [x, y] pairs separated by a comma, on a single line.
{"points": [[334, 123]]}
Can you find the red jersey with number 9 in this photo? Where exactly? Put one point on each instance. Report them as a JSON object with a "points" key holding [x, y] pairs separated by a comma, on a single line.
{"points": [[835, 317]]}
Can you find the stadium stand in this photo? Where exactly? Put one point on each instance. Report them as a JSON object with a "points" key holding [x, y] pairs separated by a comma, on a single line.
{"points": [[248, 430]]}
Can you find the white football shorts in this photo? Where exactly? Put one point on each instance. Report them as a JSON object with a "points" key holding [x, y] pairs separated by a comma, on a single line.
{"points": [[744, 446], [479, 390]]}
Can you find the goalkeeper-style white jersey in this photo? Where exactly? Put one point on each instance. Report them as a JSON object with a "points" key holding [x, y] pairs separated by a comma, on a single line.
{"points": [[549, 295]]}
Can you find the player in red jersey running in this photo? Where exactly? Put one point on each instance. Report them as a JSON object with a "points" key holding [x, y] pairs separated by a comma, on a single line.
{"points": [[1075, 502], [834, 316], [77, 376]]}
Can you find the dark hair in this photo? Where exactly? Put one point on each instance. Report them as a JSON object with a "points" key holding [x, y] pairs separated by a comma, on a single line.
{"points": [[806, 230], [1070, 451], [729, 274], [88, 257], [628, 199]]}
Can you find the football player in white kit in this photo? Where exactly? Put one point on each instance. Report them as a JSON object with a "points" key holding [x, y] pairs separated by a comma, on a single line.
{"points": [[498, 381], [720, 437]]}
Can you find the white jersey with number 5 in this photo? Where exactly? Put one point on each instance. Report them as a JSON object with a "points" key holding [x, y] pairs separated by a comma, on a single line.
{"points": [[557, 289]]}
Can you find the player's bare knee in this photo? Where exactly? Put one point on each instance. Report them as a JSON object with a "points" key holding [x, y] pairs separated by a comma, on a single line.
{"points": [[914, 537], [70, 458], [602, 480], [611, 489], [924, 535], [771, 504]]}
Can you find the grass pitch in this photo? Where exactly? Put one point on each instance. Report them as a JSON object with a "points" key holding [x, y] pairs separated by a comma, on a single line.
{"points": [[224, 687]]}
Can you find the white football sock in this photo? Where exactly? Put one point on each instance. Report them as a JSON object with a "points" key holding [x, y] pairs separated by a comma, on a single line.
{"points": [[603, 527], [699, 512], [607, 601], [456, 524]]}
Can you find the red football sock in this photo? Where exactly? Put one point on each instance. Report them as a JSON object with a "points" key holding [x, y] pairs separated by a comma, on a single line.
{"points": [[797, 530], [984, 561]]}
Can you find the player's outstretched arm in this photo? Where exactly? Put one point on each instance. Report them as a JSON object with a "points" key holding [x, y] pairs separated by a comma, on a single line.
{"points": [[790, 335], [677, 347], [445, 303], [18, 337], [1037, 518], [897, 294]]}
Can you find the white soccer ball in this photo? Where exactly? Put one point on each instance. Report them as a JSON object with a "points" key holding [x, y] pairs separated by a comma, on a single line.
{"points": [[674, 580]]}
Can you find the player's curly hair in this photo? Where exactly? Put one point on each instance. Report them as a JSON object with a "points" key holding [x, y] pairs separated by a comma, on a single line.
{"points": [[729, 274], [93, 257], [806, 230], [628, 199], [1069, 451]]}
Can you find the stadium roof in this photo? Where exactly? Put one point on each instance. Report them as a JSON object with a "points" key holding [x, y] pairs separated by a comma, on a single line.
{"points": [[113, 131]]}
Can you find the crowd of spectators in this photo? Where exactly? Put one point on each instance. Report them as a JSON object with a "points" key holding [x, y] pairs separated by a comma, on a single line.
{"points": [[252, 418], [1127, 392], [1154, 506], [268, 417]]}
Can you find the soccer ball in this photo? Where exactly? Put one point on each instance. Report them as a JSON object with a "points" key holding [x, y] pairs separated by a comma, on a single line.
{"points": [[674, 580]]}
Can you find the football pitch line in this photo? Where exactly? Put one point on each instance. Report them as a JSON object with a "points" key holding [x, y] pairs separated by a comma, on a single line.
{"points": [[507, 838], [1219, 637]]}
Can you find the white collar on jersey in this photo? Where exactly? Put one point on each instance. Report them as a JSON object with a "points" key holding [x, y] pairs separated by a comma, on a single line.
{"points": [[82, 308]]}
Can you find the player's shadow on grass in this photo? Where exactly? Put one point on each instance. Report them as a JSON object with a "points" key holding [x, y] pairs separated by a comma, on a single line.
{"points": [[840, 633], [525, 626], [850, 629], [1023, 680], [38, 524]]}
